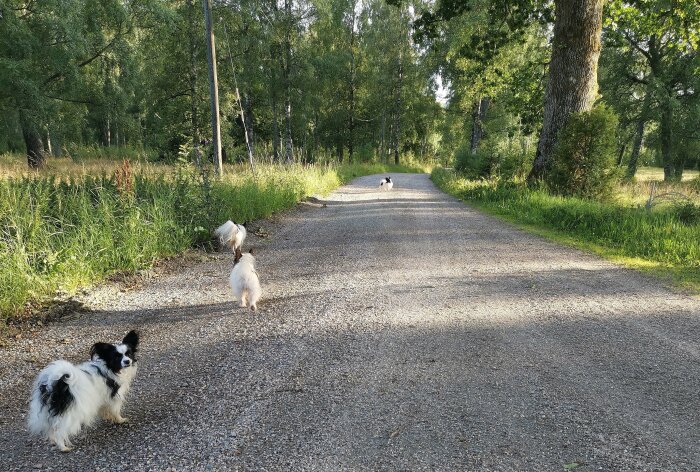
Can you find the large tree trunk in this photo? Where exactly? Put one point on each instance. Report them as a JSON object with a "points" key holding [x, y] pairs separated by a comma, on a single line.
{"points": [[573, 70], [478, 117], [36, 157]]}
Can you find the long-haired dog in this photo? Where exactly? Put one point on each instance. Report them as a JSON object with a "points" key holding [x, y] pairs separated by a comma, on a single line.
{"points": [[231, 235], [244, 280], [386, 183], [66, 397]]}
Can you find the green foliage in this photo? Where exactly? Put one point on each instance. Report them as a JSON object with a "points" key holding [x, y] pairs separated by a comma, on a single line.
{"points": [[100, 74], [667, 236], [583, 162], [688, 213], [473, 166], [500, 158]]}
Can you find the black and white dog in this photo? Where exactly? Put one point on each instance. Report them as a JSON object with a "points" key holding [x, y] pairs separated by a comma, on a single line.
{"points": [[231, 235], [67, 397], [386, 183]]}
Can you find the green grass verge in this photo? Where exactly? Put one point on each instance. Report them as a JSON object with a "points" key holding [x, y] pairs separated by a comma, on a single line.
{"points": [[662, 242], [58, 235]]}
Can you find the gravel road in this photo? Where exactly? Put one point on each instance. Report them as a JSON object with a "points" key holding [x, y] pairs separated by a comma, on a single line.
{"points": [[397, 330]]}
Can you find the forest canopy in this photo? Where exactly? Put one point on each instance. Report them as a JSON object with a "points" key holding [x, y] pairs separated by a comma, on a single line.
{"points": [[360, 80]]}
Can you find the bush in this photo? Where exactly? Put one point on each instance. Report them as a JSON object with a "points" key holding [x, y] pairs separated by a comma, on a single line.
{"points": [[583, 162], [688, 213], [473, 166]]}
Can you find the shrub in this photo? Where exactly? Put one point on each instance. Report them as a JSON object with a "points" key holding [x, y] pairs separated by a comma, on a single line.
{"points": [[583, 162], [473, 166], [688, 213]]}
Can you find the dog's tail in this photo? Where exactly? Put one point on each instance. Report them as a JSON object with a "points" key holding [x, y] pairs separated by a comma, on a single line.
{"points": [[55, 388], [52, 394], [225, 232]]}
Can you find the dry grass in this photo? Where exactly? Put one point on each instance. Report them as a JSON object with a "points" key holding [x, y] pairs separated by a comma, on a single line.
{"points": [[645, 174]]}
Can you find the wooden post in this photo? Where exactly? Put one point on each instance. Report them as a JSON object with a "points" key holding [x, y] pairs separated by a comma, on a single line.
{"points": [[213, 88]]}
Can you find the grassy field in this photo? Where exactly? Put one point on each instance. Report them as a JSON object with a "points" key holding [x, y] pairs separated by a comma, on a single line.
{"points": [[645, 174], [74, 224], [664, 241]]}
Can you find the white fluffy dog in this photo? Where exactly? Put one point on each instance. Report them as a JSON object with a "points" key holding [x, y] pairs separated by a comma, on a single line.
{"points": [[231, 235], [67, 397], [244, 280], [386, 183]]}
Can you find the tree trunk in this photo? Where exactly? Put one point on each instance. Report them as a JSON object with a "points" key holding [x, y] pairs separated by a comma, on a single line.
{"points": [[636, 148], [192, 79], [36, 157], [478, 117], [275, 131], [248, 111], [382, 138], [48, 143], [107, 133], [56, 148], [621, 154], [339, 150], [666, 135], [573, 70], [351, 117], [288, 144], [397, 115], [213, 89]]}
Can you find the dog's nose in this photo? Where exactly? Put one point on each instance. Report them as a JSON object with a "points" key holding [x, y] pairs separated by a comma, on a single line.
{"points": [[127, 361]]}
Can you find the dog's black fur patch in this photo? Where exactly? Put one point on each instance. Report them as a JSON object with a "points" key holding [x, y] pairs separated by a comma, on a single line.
{"points": [[109, 354], [131, 341], [59, 397]]}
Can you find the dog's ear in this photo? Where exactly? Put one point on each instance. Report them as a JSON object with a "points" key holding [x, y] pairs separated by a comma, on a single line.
{"points": [[244, 224], [238, 255], [131, 339], [252, 251], [101, 350]]}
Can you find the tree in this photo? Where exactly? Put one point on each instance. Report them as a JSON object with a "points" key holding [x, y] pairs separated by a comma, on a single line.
{"points": [[48, 49], [573, 72], [661, 41]]}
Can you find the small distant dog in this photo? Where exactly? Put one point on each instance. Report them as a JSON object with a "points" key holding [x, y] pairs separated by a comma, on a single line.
{"points": [[386, 183], [244, 280], [66, 397], [231, 235]]}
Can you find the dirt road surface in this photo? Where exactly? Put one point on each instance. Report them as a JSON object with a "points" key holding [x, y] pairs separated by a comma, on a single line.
{"points": [[398, 330]]}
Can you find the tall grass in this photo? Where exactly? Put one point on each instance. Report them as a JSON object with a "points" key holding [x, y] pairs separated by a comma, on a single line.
{"points": [[666, 236], [60, 234]]}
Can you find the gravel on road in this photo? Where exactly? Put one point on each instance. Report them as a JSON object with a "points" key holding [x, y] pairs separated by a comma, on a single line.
{"points": [[397, 330]]}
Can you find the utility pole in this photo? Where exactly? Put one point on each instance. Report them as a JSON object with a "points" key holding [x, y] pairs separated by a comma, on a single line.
{"points": [[213, 88]]}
